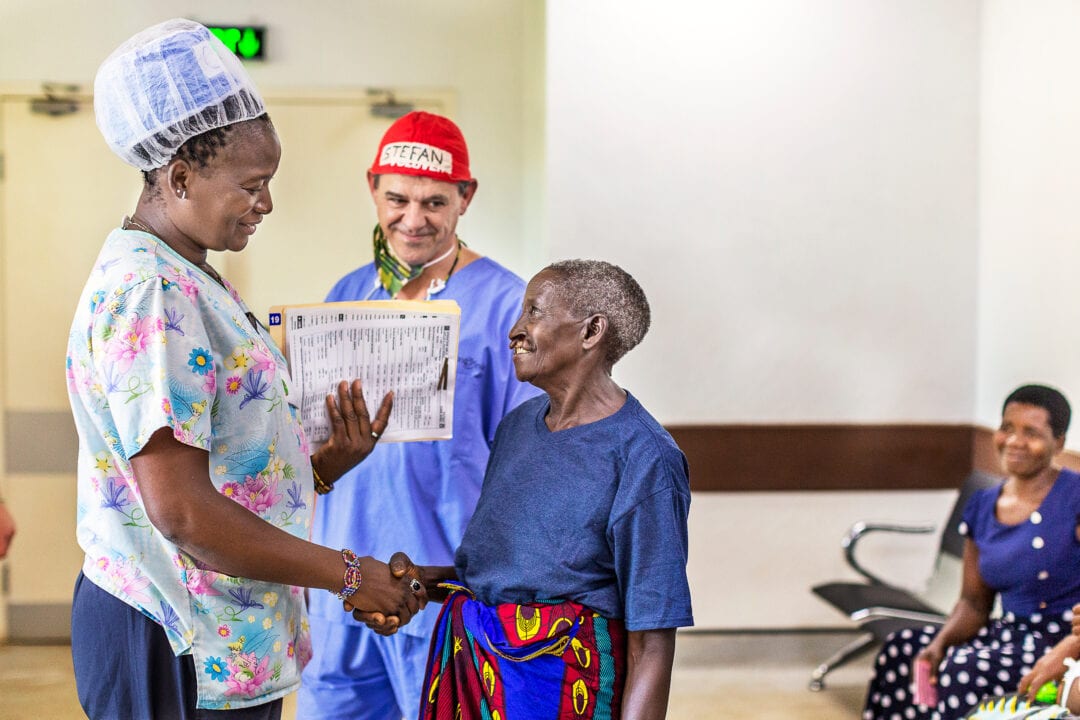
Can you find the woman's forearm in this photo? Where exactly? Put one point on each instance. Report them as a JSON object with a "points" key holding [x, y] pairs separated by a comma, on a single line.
{"points": [[185, 507], [963, 623], [649, 656]]}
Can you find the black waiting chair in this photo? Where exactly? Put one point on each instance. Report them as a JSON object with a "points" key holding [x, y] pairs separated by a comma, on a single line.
{"points": [[879, 607]]}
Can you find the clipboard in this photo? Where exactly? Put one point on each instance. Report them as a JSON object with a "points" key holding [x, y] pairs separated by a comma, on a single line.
{"points": [[407, 346]]}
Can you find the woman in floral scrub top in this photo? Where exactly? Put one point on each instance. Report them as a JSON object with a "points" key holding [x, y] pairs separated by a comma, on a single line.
{"points": [[195, 479]]}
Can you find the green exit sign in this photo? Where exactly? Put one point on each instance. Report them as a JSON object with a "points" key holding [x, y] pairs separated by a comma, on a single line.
{"points": [[244, 40]]}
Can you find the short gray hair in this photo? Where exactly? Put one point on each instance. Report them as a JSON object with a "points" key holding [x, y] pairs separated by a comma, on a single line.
{"points": [[595, 287]]}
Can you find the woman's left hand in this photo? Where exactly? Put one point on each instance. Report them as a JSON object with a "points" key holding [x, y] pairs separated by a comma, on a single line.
{"points": [[353, 433], [1050, 666]]}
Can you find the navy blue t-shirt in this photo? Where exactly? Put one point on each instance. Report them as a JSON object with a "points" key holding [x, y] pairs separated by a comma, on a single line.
{"points": [[595, 514], [1035, 565]]}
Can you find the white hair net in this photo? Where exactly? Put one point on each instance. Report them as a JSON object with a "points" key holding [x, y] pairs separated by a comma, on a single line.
{"points": [[166, 85]]}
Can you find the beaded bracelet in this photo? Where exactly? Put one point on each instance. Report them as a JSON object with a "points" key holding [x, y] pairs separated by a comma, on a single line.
{"points": [[321, 486], [352, 574]]}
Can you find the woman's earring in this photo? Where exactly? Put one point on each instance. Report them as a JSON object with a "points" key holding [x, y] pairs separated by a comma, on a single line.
{"points": [[182, 194]]}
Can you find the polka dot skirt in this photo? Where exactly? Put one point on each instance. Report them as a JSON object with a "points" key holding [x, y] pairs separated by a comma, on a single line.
{"points": [[990, 664]]}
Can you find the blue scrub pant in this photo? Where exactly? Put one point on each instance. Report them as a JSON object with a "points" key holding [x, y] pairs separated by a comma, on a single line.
{"points": [[355, 674], [125, 668]]}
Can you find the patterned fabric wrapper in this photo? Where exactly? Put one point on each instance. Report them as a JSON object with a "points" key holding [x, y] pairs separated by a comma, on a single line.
{"points": [[536, 661], [1015, 707]]}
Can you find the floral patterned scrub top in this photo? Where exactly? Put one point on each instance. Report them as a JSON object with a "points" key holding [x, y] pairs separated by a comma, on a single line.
{"points": [[156, 343]]}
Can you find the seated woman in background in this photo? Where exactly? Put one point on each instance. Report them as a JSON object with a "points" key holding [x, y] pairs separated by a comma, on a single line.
{"points": [[573, 567], [1022, 545]]}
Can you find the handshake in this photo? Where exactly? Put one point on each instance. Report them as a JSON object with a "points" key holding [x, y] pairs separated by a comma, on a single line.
{"points": [[390, 595]]}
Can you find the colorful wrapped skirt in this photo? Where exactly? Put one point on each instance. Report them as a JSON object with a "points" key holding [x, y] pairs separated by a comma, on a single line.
{"points": [[536, 661]]}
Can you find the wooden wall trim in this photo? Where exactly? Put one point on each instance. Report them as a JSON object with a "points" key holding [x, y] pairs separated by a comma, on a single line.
{"points": [[825, 457], [787, 458]]}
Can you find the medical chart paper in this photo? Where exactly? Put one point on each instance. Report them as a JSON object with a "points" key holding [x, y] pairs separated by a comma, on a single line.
{"points": [[406, 346]]}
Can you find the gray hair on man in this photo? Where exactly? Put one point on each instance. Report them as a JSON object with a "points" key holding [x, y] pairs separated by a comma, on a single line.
{"points": [[595, 287]]}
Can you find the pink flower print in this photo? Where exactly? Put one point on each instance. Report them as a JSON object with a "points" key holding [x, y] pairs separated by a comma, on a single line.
{"points": [[201, 582], [263, 361], [303, 649], [78, 376], [188, 286], [246, 674], [128, 343], [210, 385], [232, 385], [166, 406], [305, 446], [257, 494], [232, 490], [224, 630], [290, 649], [128, 579]]}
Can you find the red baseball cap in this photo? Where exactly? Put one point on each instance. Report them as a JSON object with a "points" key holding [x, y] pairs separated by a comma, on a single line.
{"points": [[421, 143]]}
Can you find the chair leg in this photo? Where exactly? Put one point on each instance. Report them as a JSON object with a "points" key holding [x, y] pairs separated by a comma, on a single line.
{"points": [[841, 656]]}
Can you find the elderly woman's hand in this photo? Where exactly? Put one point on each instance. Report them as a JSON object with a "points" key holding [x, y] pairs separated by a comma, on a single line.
{"points": [[402, 569], [353, 432], [428, 577], [389, 595]]}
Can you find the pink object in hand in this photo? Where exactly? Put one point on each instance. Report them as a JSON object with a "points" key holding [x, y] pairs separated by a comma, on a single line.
{"points": [[925, 692]]}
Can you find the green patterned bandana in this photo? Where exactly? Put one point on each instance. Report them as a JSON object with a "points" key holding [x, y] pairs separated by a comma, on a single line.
{"points": [[393, 273]]}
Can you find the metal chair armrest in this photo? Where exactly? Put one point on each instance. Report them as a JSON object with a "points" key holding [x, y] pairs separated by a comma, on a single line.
{"points": [[860, 529], [874, 613]]}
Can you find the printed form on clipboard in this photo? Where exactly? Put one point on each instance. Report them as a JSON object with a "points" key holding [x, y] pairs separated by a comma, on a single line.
{"points": [[408, 346]]}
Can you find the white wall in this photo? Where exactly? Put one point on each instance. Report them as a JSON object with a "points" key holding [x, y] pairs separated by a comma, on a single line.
{"points": [[793, 182], [1029, 187]]}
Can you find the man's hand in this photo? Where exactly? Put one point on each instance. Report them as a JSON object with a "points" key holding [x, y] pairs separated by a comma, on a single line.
{"points": [[353, 432]]}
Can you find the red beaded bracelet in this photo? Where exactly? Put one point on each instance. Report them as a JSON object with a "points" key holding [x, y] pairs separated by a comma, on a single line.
{"points": [[352, 574]]}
